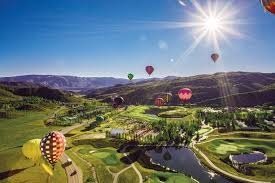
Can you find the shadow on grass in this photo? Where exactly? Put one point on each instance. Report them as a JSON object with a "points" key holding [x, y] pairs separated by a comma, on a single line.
{"points": [[91, 126], [9, 173], [132, 157], [2, 150]]}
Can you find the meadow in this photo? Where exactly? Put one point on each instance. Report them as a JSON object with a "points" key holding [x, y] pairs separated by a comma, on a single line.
{"points": [[14, 167]]}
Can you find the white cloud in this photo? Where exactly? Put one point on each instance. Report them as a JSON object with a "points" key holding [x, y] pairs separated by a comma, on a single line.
{"points": [[162, 45]]}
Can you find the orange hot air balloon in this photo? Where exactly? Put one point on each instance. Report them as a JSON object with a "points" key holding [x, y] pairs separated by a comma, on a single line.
{"points": [[159, 102], [269, 5], [149, 69], [185, 94], [166, 96], [52, 146], [215, 57]]}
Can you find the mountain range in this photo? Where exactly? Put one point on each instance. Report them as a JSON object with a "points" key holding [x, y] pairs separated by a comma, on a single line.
{"points": [[70, 83], [219, 89]]}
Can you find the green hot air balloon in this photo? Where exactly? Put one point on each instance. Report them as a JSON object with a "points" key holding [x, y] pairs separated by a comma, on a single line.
{"points": [[99, 118], [130, 76]]}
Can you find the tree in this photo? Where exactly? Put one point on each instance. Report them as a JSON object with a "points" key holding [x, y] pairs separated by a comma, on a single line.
{"points": [[197, 136]]}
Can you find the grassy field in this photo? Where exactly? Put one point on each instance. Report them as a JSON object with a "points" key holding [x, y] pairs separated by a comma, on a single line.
{"points": [[220, 149], [13, 133], [152, 176], [103, 159], [128, 176]]}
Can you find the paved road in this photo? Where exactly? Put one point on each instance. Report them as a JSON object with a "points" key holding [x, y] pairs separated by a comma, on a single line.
{"points": [[77, 176], [74, 174]]}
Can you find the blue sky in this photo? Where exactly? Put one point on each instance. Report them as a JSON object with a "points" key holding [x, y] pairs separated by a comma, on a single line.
{"points": [[115, 37]]}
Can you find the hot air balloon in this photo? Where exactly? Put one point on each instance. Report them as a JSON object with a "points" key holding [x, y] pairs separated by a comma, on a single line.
{"points": [[99, 118], [149, 69], [52, 146], [185, 94], [166, 96], [130, 76], [118, 101], [47, 168], [269, 5], [215, 57], [159, 102], [31, 150]]}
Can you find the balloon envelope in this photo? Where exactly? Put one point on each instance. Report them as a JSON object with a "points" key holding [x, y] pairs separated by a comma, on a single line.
{"points": [[99, 118], [159, 102], [215, 57], [130, 76], [185, 94], [31, 149], [166, 96], [269, 5], [52, 146], [149, 69], [47, 168], [118, 101]]}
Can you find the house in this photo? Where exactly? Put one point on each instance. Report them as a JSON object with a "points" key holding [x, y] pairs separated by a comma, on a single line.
{"points": [[252, 158], [116, 131]]}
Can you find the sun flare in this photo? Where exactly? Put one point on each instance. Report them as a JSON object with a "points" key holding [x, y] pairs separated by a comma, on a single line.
{"points": [[214, 23]]}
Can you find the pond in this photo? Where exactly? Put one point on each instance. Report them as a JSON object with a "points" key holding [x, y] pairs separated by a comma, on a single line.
{"points": [[184, 160]]}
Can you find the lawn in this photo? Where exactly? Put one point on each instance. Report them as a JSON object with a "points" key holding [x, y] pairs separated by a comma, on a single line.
{"points": [[152, 176], [16, 168], [221, 148], [104, 159], [128, 176], [29, 125], [13, 133]]}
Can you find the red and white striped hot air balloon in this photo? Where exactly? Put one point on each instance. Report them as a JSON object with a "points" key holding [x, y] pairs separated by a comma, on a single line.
{"points": [[159, 102], [185, 94], [52, 146]]}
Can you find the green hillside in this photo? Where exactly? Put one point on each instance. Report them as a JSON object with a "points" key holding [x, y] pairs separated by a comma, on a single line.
{"points": [[245, 89]]}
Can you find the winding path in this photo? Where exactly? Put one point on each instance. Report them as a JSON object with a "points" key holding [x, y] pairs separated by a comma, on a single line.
{"points": [[116, 175]]}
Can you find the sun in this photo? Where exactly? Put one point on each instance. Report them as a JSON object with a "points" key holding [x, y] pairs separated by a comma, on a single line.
{"points": [[212, 24], [215, 22]]}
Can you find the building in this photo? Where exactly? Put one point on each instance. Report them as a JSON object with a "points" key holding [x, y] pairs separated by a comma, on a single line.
{"points": [[252, 158], [116, 131]]}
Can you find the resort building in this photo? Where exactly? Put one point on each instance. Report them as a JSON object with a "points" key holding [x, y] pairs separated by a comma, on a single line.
{"points": [[252, 158]]}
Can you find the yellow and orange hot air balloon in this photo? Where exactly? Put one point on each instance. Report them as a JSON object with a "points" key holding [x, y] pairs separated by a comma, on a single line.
{"points": [[52, 146], [159, 102]]}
